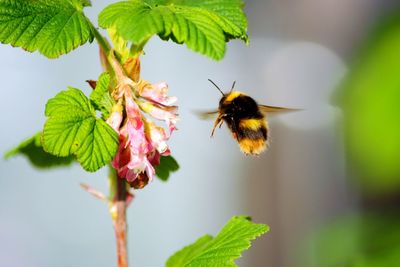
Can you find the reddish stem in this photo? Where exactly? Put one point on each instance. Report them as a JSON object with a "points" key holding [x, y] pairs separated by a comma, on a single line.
{"points": [[120, 225]]}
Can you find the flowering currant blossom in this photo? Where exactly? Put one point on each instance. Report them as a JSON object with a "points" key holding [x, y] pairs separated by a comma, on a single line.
{"points": [[141, 141]]}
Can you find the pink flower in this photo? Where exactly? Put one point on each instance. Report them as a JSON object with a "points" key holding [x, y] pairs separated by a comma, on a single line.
{"points": [[157, 93], [142, 142]]}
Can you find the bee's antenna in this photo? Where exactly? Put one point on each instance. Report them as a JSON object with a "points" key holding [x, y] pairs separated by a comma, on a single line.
{"points": [[217, 87], [233, 86]]}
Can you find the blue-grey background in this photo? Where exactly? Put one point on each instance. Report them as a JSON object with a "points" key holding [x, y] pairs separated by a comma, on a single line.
{"points": [[296, 58]]}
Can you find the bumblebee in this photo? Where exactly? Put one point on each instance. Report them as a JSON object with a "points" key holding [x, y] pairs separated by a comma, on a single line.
{"points": [[245, 119]]}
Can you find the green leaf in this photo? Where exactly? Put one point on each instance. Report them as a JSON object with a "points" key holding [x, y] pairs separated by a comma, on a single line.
{"points": [[53, 27], [222, 250], [101, 97], [203, 27], [231, 17], [167, 165], [86, 3], [72, 128], [183, 256], [33, 150]]}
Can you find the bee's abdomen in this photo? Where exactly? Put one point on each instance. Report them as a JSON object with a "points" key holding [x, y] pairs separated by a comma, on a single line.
{"points": [[252, 135], [252, 128]]}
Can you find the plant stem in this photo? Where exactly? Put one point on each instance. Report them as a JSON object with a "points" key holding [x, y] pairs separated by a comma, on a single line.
{"points": [[118, 213], [120, 223], [101, 40]]}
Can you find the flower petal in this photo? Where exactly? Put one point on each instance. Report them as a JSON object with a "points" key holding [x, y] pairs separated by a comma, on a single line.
{"points": [[142, 142], [157, 93], [158, 137], [115, 120], [169, 116]]}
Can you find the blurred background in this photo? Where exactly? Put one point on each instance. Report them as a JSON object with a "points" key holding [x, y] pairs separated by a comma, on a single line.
{"points": [[329, 186]]}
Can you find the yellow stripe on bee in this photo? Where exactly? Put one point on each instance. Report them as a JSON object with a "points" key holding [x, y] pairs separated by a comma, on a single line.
{"points": [[253, 124], [254, 147], [233, 95]]}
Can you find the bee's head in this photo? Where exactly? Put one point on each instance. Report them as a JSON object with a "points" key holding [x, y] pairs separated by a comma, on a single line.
{"points": [[228, 98], [222, 101]]}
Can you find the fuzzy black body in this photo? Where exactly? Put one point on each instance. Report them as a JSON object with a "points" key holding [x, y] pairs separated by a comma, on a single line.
{"points": [[245, 120]]}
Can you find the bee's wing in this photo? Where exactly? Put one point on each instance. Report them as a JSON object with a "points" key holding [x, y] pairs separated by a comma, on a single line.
{"points": [[207, 115], [272, 109]]}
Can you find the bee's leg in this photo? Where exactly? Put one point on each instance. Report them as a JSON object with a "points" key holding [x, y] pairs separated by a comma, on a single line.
{"points": [[235, 136], [218, 122]]}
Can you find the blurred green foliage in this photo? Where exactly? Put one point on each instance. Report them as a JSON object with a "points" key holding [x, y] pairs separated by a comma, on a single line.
{"points": [[370, 98], [369, 240], [167, 165]]}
